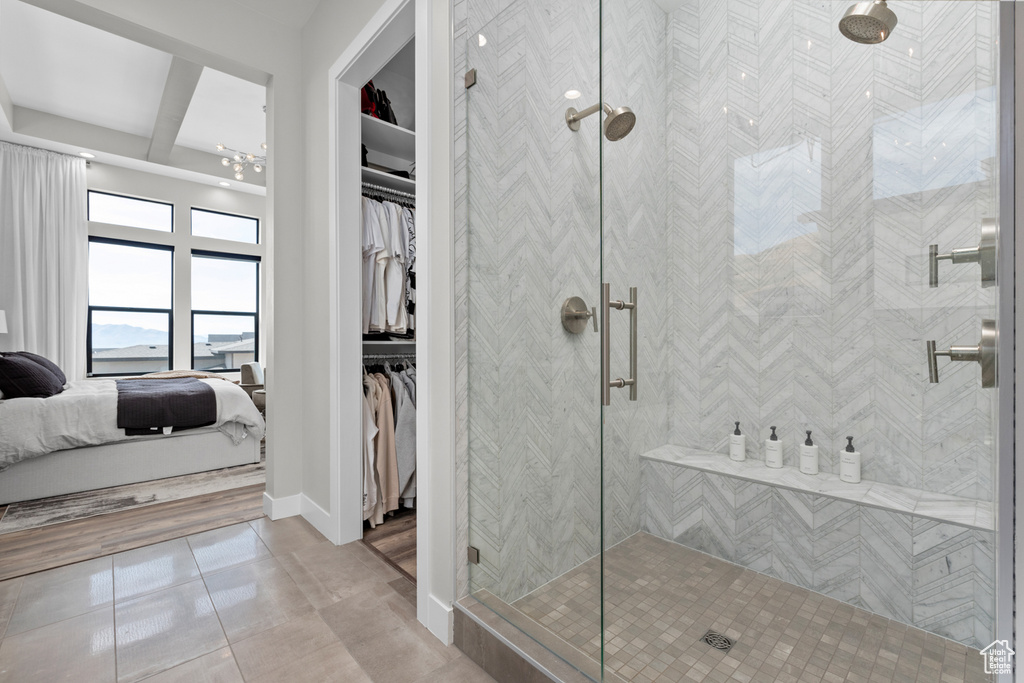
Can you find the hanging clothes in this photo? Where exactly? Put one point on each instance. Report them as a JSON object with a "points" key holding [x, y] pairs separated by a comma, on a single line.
{"points": [[373, 508], [373, 244], [395, 275], [405, 431], [389, 440], [387, 457], [389, 262], [409, 225], [379, 314], [369, 480]]}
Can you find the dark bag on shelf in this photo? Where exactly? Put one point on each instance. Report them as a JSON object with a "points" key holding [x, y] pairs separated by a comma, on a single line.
{"points": [[384, 108], [369, 100]]}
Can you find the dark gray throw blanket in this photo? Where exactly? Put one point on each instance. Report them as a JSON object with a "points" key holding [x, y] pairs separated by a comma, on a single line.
{"points": [[146, 406]]}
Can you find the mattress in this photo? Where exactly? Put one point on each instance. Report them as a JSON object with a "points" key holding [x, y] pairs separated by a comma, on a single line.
{"points": [[85, 414]]}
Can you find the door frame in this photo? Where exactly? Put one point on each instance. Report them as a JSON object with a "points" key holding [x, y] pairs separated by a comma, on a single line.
{"points": [[390, 29]]}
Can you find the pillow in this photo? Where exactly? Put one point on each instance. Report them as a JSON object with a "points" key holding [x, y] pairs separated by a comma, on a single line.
{"points": [[21, 377], [45, 362]]}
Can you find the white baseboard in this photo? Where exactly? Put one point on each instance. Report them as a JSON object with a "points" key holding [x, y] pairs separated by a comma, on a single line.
{"points": [[279, 508], [440, 619], [318, 517]]}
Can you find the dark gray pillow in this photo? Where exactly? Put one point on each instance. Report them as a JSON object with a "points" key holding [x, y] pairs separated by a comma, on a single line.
{"points": [[45, 362], [21, 377]]}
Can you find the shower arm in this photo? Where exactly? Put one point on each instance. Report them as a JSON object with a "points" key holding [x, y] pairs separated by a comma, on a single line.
{"points": [[573, 117]]}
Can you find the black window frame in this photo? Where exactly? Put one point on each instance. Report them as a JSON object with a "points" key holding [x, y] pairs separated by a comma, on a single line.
{"points": [[88, 209], [259, 225], [228, 256], [129, 309]]}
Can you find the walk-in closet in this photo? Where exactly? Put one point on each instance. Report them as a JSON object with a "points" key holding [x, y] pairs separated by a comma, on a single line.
{"points": [[388, 243]]}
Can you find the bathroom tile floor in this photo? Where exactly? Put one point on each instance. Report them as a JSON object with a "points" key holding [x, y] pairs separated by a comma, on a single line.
{"points": [[258, 601], [662, 597]]}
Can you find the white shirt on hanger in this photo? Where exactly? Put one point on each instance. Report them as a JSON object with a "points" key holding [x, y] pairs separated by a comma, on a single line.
{"points": [[373, 243], [395, 275], [379, 312]]}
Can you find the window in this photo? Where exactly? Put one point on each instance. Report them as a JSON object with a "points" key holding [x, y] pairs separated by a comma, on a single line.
{"points": [[225, 226], [130, 287], [225, 310], [134, 213], [172, 286]]}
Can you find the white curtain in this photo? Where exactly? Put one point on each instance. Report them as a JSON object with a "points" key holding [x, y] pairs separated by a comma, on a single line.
{"points": [[44, 251]]}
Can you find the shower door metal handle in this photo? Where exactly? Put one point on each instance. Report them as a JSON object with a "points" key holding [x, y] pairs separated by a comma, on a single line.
{"points": [[984, 353], [984, 254], [607, 384]]}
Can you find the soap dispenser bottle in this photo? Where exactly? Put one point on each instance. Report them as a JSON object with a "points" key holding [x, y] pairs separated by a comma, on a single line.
{"points": [[773, 451], [737, 445], [849, 463], [808, 456]]}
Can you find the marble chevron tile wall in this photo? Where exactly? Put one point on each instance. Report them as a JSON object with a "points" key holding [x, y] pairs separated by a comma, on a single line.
{"points": [[530, 458], [933, 575], [636, 234], [808, 176]]}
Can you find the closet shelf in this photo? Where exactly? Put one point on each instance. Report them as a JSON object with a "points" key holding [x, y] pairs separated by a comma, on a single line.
{"points": [[387, 138], [387, 180]]}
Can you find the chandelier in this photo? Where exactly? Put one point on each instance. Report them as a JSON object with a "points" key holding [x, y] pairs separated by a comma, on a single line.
{"points": [[240, 161]]}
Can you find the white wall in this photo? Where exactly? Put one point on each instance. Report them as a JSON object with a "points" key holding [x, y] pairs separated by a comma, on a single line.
{"points": [[328, 32]]}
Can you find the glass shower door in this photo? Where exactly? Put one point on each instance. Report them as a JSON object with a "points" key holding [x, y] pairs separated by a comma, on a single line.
{"points": [[533, 258]]}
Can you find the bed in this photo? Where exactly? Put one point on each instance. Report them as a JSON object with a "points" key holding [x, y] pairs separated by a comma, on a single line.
{"points": [[70, 442]]}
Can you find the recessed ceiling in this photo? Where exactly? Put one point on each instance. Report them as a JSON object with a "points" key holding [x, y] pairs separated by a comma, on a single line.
{"points": [[153, 110], [227, 110], [59, 66]]}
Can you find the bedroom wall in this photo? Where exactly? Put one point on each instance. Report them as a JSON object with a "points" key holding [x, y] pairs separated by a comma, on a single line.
{"points": [[330, 29]]}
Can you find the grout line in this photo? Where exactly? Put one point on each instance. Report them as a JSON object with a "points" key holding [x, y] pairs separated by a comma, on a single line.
{"points": [[17, 599]]}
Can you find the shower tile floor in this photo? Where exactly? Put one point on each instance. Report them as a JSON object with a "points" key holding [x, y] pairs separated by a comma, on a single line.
{"points": [[662, 597]]}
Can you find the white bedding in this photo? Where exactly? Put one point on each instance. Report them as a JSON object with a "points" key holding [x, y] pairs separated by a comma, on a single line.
{"points": [[85, 414]]}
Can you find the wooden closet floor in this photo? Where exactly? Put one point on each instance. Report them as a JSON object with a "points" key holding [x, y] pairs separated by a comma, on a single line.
{"points": [[33, 550], [395, 541]]}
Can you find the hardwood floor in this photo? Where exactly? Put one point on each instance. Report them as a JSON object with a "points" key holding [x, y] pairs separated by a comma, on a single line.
{"points": [[33, 550], [395, 541]]}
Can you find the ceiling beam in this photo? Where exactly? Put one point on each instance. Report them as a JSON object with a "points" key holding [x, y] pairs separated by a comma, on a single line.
{"points": [[83, 135], [180, 86]]}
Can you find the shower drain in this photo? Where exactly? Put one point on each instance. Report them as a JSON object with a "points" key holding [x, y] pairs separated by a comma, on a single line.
{"points": [[717, 641]]}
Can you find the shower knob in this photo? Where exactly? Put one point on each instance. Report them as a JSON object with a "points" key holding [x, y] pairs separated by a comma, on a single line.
{"points": [[984, 353], [984, 254], [575, 315]]}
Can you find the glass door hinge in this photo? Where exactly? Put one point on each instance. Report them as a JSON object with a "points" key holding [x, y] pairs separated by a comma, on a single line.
{"points": [[473, 555], [471, 78]]}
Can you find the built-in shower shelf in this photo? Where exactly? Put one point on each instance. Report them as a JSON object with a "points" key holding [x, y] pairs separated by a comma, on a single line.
{"points": [[978, 514]]}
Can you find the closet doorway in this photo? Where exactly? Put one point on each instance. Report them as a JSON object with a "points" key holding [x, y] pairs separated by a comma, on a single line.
{"points": [[374, 249]]}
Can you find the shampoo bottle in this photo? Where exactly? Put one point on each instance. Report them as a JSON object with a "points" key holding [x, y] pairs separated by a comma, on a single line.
{"points": [[737, 445], [773, 451], [849, 463], [808, 456]]}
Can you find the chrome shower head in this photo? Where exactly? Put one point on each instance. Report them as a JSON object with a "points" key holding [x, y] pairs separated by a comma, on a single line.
{"points": [[868, 22], [617, 122]]}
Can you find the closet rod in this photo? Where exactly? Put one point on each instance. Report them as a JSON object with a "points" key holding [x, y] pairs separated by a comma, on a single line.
{"points": [[388, 190], [373, 356]]}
